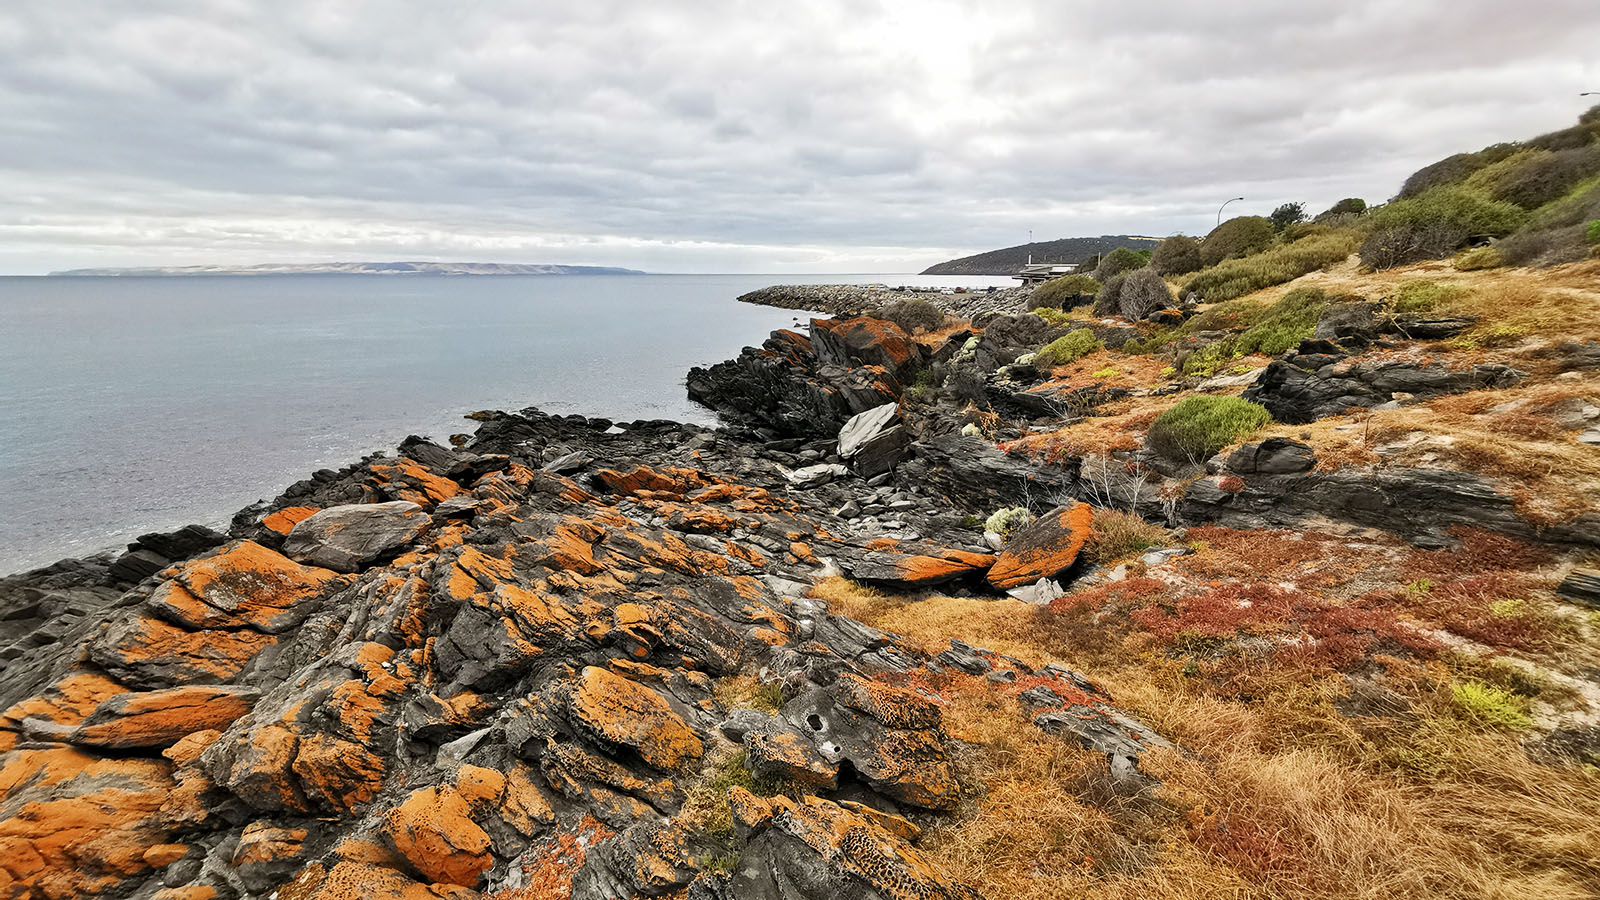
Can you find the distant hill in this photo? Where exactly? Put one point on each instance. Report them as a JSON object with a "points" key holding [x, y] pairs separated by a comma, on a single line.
{"points": [[360, 268], [1009, 260]]}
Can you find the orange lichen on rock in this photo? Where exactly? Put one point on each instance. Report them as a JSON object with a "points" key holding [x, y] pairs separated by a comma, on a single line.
{"points": [[160, 718], [78, 825], [622, 712], [672, 480], [1044, 548], [342, 773], [433, 829], [65, 703], [784, 755], [284, 520], [409, 480], [147, 647], [245, 584], [355, 880]]}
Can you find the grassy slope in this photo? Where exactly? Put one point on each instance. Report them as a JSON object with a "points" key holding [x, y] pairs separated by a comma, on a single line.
{"points": [[1360, 718]]}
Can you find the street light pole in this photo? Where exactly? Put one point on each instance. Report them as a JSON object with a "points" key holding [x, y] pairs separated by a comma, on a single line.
{"points": [[1223, 207]]}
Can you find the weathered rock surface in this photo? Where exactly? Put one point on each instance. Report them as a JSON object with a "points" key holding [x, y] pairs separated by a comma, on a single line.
{"points": [[345, 538], [1300, 395]]}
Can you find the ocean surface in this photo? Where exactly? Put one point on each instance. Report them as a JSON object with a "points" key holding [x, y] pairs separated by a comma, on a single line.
{"points": [[130, 405]]}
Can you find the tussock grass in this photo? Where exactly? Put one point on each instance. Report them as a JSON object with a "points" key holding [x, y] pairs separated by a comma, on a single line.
{"points": [[1278, 265]]}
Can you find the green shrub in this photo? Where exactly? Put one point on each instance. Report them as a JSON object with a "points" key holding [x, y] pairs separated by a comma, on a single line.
{"points": [[1478, 258], [1545, 248], [1279, 265], [1054, 292], [913, 314], [1198, 427], [1118, 261], [1070, 346], [1581, 204], [1536, 177], [1177, 255], [1434, 225], [1143, 292], [1454, 169], [1208, 360], [1477, 215], [1566, 139], [1109, 301], [1488, 706], [1286, 215], [1237, 237], [1591, 232], [1285, 324], [1421, 296], [1007, 520], [1349, 206], [1052, 315]]}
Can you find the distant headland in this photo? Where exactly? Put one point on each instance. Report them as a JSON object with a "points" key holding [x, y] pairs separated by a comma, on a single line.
{"points": [[356, 268]]}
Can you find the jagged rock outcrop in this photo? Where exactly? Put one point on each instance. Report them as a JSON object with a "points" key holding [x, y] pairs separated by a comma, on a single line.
{"points": [[533, 658], [808, 386], [1299, 394]]}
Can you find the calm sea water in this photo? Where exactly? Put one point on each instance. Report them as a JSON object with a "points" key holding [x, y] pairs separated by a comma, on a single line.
{"points": [[130, 405]]}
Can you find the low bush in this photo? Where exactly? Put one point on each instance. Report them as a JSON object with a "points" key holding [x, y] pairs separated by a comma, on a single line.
{"points": [[1198, 427], [1591, 232], [1053, 293], [1279, 265], [1386, 248], [1114, 534], [1069, 347], [1177, 255], [1542, 176], [1285, 324], [1478, 258], [913, 314], [1581, 204], [1118, 261], [1237, 237], [1108, 302], [1489, 706], [1566, 139], [1143, 292], [1545, 248], [1346, 207], [1423, 296], [1469, 211], [1286, 215], [1454, 169], [1007, 520]]}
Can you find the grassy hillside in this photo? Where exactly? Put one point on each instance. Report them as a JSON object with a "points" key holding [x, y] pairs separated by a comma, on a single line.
{"points": [[1009, 260]]}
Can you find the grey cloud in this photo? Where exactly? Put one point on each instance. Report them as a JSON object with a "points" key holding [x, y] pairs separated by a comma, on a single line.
{"points": [[730, 135]]}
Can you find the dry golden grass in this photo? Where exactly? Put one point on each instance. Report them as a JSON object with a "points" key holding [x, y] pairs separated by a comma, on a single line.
{"points": [[1277, 795], [1116, 426]]}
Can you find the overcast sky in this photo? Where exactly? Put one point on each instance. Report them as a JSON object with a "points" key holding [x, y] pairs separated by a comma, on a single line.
{"points": [[732, 136]]}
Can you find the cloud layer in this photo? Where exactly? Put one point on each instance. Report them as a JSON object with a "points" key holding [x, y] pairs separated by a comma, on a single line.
{"points": [[723, 135]]}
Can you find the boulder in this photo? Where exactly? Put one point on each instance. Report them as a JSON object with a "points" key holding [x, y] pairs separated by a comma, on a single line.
{"points": [[875, 440], [972, 473], [347, 538], [244, 585], [820, 474], [1297, 396], [621, 712], [1044, 548], [1273, 456], [864, 341]]}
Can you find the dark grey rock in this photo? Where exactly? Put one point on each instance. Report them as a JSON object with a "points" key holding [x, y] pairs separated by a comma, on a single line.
{"points": [[346, 538]]}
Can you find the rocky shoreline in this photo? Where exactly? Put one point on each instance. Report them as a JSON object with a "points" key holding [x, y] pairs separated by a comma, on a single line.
{"points": [[505, 667]]}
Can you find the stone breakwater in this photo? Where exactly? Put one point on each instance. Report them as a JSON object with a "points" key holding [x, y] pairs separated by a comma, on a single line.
{"points": [[864, 299]]}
